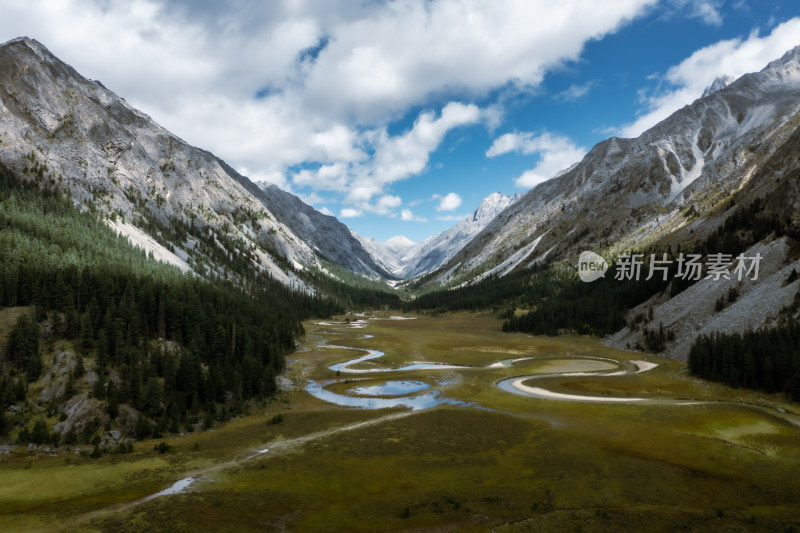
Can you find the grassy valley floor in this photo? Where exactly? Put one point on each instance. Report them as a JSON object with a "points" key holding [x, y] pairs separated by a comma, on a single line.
{"points": [[693, 456]]}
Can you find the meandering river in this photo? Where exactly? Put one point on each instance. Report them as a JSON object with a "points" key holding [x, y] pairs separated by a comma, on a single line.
{"points": [[387, 394]]}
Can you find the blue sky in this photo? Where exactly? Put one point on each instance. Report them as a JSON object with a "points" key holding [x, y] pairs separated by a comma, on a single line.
{"points": [[398, 117]]}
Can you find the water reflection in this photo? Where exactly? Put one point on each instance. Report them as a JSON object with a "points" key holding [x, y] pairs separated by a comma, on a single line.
{"points": [[375, 354], [390, 388], [422, 401]]}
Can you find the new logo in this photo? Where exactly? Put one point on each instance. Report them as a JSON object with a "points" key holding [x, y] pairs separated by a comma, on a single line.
{"points": [[591, 266]]}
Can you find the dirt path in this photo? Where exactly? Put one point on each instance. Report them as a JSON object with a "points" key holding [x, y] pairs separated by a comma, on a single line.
{"points": [[281, 446]]}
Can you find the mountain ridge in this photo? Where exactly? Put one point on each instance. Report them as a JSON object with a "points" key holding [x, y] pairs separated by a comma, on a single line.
{"points": [[698, 156], [112, 157]]}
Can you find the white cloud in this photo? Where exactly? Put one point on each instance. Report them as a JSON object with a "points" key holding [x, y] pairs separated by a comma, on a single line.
{"points": [[706, 10], [403, 53], [408, 216], [349, 212], [556, 153], [325, 211], [311, 199], [575, 92], [449, 202], [404, 155], [386, 203], [690, 78], [391, 158], [330, 75]]}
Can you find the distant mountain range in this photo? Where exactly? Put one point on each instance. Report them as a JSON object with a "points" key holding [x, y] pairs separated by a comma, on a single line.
{"points": [[407, 259]]}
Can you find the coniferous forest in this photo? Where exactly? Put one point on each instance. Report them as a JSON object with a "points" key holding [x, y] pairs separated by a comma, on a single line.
{"points": [[767, 360], [175, 347]]}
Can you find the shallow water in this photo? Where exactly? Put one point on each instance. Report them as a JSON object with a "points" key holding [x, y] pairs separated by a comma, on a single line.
{"points": [[422, 401], [517, 386], [390, 388], [508, 363], [178, 487], [375, 354]]}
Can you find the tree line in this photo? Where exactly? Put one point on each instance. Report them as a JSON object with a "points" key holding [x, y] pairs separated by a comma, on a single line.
{"points": [[767, 360]]}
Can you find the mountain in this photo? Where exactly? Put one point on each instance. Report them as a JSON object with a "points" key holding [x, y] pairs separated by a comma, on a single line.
{"points": [[323, 233], [181, 203], [629, 193], [406, 259], [389, 254], [718, 176], [718, 84], [399, 244]]}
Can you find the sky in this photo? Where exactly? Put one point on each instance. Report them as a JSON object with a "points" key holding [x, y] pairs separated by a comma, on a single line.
{"points": [[399, 117]]}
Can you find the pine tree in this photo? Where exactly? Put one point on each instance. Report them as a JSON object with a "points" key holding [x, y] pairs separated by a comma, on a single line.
{"points": [[80, 370], [151, 397]]}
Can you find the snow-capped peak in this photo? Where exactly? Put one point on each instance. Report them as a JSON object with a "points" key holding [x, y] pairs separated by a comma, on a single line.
{"points": [[399, 242], [718, 84], [490, 206]]}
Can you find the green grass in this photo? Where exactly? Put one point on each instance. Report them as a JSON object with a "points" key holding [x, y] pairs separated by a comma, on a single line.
{"points": [[515, 464]]}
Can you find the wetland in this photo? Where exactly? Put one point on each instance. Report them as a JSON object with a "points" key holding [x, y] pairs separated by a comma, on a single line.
{"points": [[445, 423]]}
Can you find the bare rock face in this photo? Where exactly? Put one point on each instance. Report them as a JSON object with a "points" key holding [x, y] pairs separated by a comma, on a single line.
{"points": [[54, 381], [61, 129], [80, 411], [325, 234], [693, 312]]}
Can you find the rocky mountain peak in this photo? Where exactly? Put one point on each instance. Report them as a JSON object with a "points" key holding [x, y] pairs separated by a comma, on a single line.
{"points": [[718, 84], [491, 206], [400, 242]]}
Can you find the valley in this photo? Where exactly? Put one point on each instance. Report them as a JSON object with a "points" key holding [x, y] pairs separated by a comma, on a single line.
{"points": [[481, 458], [180, 345]]}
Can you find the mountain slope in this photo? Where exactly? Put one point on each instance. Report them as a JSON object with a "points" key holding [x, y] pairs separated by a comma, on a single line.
{"points": [[323, 233], [178, 201], [631, 192], [406, 259], [131, 343], [389, 254]]}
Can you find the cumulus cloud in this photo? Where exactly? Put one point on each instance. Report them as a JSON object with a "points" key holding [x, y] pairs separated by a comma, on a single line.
{"points": [[556, 153], [405, 52], [275, 86], [393, 158], [734, 57], [401, 156], [408, 216], [386, 203], [349, 212], [448, 202]]}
